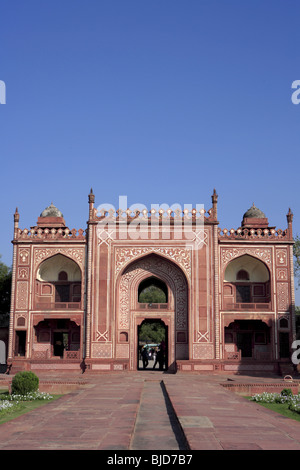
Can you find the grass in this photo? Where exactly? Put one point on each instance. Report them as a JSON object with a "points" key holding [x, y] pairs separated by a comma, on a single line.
{"points": [[281, 408], [285, 404], [21, 407]]}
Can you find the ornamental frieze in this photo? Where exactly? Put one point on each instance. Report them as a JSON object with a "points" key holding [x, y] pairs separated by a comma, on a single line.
{"points": [[264, 254], [76, 254], [181, 256]]}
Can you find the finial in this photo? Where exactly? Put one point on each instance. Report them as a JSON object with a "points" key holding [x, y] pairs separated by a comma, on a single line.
{"points": [[91, 197], [289, 216], [16, 215], [214, 199]]}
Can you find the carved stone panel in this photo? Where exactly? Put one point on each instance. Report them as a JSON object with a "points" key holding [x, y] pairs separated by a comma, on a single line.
{"points": [[281, 257], [24, 256], [283, 296], [22, 295], [102, 350]]}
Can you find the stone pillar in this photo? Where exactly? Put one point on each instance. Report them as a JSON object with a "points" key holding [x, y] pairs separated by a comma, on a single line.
{"points": [[13, 286], [216, 292], [87, 332]]}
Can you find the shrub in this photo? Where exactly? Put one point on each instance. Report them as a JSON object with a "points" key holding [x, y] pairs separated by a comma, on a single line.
{"points": [[24, 382], [286, 392]]}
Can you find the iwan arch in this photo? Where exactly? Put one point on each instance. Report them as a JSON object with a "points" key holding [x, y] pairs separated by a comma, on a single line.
{"points": [[229, 293]]}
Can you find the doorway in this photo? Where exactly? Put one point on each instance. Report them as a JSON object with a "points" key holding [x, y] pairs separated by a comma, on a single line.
{"points": [[251, 337], [60, 343], [152, 343], [244, 343], [20, 343]]}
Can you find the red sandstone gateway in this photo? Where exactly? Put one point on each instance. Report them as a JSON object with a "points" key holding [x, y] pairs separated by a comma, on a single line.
{"points": [[228, 295]]}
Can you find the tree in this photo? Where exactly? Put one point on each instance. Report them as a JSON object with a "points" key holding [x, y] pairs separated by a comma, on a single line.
{"points": [[5, 292], [296, 250], [152, 294], [152, 332]]}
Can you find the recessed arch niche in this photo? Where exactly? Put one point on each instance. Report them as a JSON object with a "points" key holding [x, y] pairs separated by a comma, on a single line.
{"points": [[129, 314], [58, 281], [246, 280]]}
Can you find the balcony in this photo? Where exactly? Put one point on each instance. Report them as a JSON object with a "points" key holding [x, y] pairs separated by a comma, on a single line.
{"points": [[58, 306], [144, 306], [242, 306]]}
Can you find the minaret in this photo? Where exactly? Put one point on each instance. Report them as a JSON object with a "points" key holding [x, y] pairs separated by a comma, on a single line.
{"points": [[16, 222], [289, 217], [214, 199], [91, 204]]}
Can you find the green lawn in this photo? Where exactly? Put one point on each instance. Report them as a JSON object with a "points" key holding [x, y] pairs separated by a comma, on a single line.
{"points": [[281, 408], [22, 407]]}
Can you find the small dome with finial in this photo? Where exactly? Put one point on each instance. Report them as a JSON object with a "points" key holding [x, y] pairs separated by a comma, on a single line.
{"points": [[51, 211], [254, 218], [254, 212]]}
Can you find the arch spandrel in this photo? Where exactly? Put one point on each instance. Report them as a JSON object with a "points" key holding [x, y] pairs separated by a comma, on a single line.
{"points": [[59, 263], [75, 254], [251, 265], [125, 256], [262, 254]]}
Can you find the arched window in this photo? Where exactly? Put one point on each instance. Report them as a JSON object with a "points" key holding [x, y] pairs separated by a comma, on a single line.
{"points": [[62, 276], [283, 323], [153, 290], [242, 275]]}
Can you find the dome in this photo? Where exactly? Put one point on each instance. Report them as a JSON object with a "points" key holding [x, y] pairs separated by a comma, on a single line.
{"points": [[254, 212], [51, 211]]}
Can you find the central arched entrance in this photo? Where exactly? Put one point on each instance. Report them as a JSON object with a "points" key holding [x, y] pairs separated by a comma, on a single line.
{"points": [[153, 272], [152, 345]]}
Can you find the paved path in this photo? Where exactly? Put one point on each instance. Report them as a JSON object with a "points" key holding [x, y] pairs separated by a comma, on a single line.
{"points": [[214, 418], [157, 426], [137, 411]]}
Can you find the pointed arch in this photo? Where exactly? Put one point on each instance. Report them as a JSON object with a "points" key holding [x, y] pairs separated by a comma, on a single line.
{"points": [[176, 313], [246, 281], [58, 281], [49, 268]]}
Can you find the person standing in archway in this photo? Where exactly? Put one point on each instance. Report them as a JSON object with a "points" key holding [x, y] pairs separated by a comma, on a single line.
{"points": [[160, 358], [145, 357]]}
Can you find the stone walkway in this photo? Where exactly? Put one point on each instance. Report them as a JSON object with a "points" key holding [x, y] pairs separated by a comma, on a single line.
{"points": [[157, 426], [151, 411]]}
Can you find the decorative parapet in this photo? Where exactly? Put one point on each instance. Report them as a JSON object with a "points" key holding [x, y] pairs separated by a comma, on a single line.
{"points": [[253, 234], [158, 215], [50, 234]]}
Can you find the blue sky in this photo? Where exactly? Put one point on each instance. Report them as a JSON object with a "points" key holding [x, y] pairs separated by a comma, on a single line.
{"points": [[158, 100]]}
